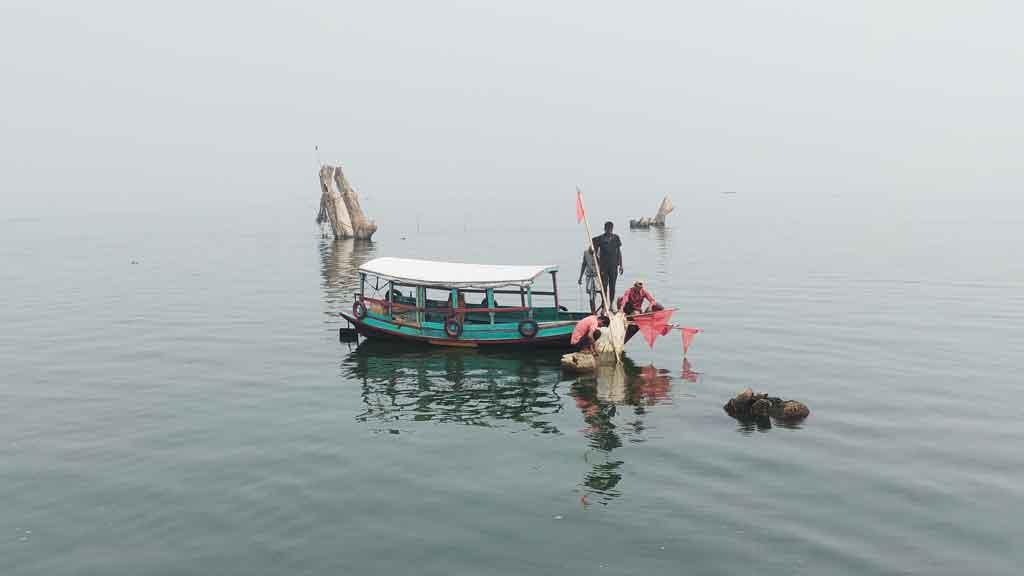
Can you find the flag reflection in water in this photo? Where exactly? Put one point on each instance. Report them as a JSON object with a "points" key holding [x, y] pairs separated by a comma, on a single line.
{"points": [[403, 387], [688, 374]]}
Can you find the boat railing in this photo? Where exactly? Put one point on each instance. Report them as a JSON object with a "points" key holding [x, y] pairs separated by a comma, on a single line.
{"points": [[398, 307]]}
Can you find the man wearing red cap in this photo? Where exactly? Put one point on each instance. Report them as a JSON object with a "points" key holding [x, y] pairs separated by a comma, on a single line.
{"points": [[632, 302]]}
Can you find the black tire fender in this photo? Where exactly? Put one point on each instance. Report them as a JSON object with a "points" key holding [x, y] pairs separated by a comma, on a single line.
{"points": [[453, 328], [359, 310], [528, 328]]}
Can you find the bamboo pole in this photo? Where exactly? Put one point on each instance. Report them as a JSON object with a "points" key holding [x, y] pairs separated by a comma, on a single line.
{"points": [[597, 264]]}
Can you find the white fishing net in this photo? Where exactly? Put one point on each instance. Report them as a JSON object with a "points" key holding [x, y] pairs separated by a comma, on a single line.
{"points": [[610, 345]]}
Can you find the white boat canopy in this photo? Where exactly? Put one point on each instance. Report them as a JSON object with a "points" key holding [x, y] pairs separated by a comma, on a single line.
{"points": [[452, 274]]}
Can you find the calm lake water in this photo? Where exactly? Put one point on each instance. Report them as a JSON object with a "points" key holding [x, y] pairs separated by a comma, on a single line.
{"points": [[195, 413]]}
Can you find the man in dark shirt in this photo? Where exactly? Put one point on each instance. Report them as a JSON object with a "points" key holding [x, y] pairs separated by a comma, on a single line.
{"points": [[609, 258]]}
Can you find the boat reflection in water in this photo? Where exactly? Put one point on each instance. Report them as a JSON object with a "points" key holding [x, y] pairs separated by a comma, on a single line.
{"points": [[613, 402], [403, 385], [406, 383]]}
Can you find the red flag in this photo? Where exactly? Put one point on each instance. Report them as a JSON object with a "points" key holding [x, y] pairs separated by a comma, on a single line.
{"points": [[653, 324], [688, 336], [579, 206]]}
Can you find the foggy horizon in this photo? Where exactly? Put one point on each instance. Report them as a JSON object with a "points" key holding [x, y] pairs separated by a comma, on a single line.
{"points": [[869, 109]]}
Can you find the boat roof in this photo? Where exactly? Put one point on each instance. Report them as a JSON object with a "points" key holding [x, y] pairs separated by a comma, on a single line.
{"points": [[452, 274]]}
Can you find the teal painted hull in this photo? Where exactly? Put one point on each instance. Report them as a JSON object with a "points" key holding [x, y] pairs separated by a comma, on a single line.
{"points": [[549, 334]]}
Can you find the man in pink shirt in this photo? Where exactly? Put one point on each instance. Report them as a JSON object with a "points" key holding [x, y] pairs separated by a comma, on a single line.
{"points": [[586, 331], [632, 302]]}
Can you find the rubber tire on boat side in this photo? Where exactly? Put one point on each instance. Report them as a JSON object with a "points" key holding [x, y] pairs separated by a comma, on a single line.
{"points": [[359, 310], [453, 328], [528, 328]]}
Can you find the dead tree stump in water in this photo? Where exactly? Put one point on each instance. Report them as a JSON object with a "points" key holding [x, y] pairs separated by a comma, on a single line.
{"points": [[658, 221], [339, 205]]}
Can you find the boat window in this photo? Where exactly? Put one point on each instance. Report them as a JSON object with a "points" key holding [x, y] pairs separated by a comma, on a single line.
{"points": [[475, 298], [402, 294], [374, 287], [438, 297], [438, 304]]}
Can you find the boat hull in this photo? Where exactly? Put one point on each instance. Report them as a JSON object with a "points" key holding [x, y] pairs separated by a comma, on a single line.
{"points": [[547, 337], [382, 330]]}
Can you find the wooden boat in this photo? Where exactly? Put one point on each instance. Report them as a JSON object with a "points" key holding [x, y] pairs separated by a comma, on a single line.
{"points": [[454, 304]]}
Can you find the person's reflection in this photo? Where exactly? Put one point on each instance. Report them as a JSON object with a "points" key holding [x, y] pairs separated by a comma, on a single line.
{"points": [[651, 386], [599, 399]]}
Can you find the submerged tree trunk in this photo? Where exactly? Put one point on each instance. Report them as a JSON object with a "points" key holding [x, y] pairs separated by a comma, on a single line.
{"points": [[332, 207], [663, 210], [362, 226], [658, 221], [339, 205]]}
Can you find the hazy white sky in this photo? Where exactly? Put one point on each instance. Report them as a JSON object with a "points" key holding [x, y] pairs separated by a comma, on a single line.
{"points": [[479, 107]]}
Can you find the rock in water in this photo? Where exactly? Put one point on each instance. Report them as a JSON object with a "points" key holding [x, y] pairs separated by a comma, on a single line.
{"points": [[579, 362], [748, 405], [741, 403], [793, 410], [762, 407]]}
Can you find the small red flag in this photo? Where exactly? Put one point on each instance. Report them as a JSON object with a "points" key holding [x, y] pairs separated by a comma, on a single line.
{"points": [[579, 206], [688, 336], [653, 325]]}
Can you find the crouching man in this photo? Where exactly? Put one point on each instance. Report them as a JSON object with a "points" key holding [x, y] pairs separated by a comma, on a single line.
{"points": [[588, 331]]}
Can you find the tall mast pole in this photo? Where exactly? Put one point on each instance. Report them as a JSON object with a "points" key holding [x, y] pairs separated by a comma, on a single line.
{"points": [[590, 242]]}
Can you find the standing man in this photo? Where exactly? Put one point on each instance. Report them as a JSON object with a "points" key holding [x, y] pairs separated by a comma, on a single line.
{"points": [[589, 267], [609, 259]]}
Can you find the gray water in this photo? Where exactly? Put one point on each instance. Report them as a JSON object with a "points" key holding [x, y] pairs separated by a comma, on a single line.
{"points": [[195, 413]]}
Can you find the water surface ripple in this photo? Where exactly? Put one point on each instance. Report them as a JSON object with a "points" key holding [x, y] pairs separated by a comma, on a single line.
{"points": [[195, 413]]}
